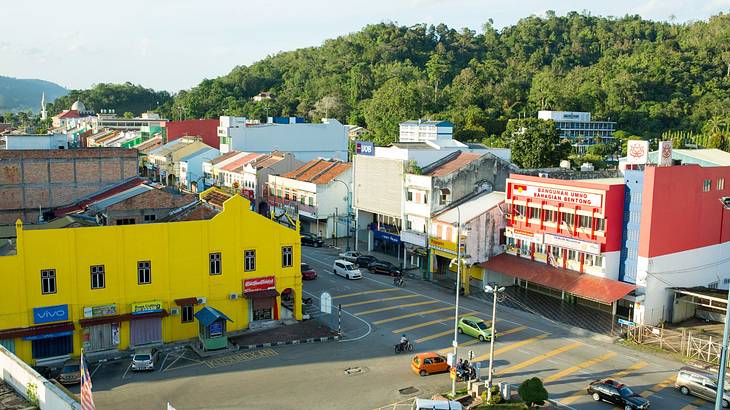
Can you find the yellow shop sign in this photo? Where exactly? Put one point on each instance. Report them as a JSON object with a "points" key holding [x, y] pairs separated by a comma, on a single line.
{"points": [[145, 307]]}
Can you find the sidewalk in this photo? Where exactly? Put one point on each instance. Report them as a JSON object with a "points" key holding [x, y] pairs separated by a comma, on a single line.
{"points": [[302, 332]]}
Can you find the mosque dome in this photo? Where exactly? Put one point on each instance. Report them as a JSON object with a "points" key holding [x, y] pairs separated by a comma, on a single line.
{"points": [[78, 106]]}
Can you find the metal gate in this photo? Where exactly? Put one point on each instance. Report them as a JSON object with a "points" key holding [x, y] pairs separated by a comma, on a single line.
{"points": [[100, 337], [145, 331], [52, 346]]}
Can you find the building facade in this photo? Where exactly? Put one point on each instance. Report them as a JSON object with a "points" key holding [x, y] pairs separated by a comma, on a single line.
{"points": [[206, 129], [579, 128], [422, 131], [36, 141], [60, 299]]}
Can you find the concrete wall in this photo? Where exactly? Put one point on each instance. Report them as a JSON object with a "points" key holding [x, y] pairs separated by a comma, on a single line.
{"points": [[53, 178], [378, 185], [51, 141], [19, 376]]}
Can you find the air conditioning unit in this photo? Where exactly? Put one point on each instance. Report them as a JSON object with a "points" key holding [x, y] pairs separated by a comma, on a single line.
{"points": [[201, 301], [233, 296], [174, 311]]}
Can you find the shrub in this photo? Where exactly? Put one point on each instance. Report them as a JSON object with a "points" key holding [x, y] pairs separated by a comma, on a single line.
{"points": [[533, 392]]}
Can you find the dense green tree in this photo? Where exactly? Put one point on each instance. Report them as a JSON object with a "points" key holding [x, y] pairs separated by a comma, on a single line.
{"points": [[125, 97], [391, 104], [535, 143]]}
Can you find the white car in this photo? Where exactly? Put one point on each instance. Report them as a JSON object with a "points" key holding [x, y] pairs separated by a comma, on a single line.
{"points": [[350, 256], [347, 269]]}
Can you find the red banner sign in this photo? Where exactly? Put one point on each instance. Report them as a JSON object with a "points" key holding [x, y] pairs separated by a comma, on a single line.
{"points": [[557, 194], [256, 284]]}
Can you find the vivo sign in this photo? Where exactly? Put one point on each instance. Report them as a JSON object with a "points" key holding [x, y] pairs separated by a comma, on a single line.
{"points": [[47, 314]]}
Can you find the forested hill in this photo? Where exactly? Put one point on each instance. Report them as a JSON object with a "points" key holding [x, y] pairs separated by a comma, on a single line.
{"points": [[18, 94]]}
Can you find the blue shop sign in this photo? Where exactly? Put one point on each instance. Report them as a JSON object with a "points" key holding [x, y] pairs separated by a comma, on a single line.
{"points": [[216, 328], [364, 148], [47, 314], [49, 335], [386, 236]]}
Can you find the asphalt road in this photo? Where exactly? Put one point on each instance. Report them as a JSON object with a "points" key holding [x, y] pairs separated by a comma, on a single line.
{"points": [[375, 314]]}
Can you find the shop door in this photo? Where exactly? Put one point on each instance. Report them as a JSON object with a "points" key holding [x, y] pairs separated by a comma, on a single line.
{"points": [[8, 344], [263, 308], [100, 337], [144, 331], [52, 347]]}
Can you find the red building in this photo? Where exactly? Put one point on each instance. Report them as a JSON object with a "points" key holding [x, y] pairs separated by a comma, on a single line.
{"points": [[563, 238], [207, 129]]}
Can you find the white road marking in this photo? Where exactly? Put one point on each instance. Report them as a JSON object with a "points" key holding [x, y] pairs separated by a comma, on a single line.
{"points": [[97, 368], [162, 365], [126, 371], [370, 328]]}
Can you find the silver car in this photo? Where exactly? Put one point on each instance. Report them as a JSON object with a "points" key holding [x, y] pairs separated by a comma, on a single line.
{"points": [[701, 384], [144, 359]]}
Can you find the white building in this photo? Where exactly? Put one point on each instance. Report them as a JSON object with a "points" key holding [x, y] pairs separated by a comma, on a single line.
{"points": [[579, 128], [36, 141], [422, 131], [319, 193], [191, 168], [305, 141]]}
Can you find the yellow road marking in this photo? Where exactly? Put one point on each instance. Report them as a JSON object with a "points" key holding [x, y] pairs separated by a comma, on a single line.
{"points": [[658, 387], [365, 312], [435, 336], [465, 344], [366, 302], [579, 366], [694, 405], [577, 395], [475, 341], [423, 312], [510, 331], [366, 292], [511, 346], [536, 359], [432, 322]]}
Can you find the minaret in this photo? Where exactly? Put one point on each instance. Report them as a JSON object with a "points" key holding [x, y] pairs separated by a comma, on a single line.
{"points": [[44, 114]]}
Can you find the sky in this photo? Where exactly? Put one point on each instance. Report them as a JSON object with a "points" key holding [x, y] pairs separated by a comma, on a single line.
{"points": [[174, 44]]}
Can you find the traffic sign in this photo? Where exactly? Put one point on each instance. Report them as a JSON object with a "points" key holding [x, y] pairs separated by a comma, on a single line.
{"points": [[325, 303], [626, 322]]}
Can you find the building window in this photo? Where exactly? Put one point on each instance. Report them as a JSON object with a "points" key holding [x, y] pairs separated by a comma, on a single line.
{"points": [[567, 219], [48, 281], [713, 285], [598, 261], [409, 196], [125, 221], [286, 256], [150, 218], [186, 313], [144, 272], [97, 277], [600, 224], [249, 260], [706, 186], [310, 201], [549, 215], [215, 263], [721, 184], [584, 221], [572, 255]]}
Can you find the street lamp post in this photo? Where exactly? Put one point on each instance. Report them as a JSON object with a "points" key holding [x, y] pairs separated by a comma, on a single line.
{"points": [[455, 342], [494, 289], [723, 352], [349, 209]]}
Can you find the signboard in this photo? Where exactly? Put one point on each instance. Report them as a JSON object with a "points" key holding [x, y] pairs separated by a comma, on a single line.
{"points": [[48, 335], [443, 246], [364, 148], [637, 151], [325, 303], [256, 284], [101, 310], [146, 307], [626, 322], [47, 314], [572, 243], [557, 194], [386, 236], [533, 237], [216, 328], [665, 153]]}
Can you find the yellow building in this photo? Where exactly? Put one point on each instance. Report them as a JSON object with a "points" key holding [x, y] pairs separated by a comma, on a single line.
{"points": [[116, 287]]}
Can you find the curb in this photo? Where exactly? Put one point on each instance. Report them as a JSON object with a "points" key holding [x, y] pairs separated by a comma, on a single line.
{"points": [[290, 342]]}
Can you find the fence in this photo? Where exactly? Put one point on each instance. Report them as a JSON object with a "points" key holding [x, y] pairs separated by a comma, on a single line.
{"points": [[705, 349]]}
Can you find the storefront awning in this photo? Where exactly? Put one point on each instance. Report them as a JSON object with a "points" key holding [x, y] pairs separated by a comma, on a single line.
{"points": [[208, 315], [37, 330], [102, 320], [186, 301], [582, 285], [269, 293]]}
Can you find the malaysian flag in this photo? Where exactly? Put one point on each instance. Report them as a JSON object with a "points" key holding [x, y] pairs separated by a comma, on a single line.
{"points": [[87, 400]]}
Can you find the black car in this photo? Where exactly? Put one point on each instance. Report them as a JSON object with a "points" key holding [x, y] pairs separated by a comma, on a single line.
{"points": [[309, 239], [617, 393], [364, 261], [384, 268]]}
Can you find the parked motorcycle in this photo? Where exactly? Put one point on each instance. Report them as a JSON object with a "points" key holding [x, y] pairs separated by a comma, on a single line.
{"points": [[401, 348]]}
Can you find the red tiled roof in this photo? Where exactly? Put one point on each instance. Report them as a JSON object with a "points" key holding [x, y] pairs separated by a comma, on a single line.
{"points": [[224, 157], [318, 171], [240, 162], [68, 114], [82, 204], [215, 197], [583, 285], [462, 159]]}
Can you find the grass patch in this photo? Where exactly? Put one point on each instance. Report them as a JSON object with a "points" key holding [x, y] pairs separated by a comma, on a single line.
{"points": [[459, 392], [657, 351], [508, 405]]}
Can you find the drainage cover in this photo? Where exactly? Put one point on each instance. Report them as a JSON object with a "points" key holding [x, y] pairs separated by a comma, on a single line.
{"points": [[355, 370], [408, 390]]}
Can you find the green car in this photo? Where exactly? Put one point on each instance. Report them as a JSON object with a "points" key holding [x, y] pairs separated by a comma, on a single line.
{"points": [[475, 327]]}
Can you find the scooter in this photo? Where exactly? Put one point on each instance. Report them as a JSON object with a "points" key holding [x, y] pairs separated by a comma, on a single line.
{"points": [[398, 281], [400, 348]]}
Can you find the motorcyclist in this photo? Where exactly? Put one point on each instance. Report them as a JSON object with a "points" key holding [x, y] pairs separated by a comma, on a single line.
{"points": [[403, 342]]}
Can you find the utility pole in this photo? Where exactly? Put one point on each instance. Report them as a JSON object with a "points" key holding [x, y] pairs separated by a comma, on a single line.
{"points": [[494, 290], [455, 342]]}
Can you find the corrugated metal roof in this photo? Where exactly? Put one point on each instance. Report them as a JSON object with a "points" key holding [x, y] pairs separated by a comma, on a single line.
{"points": [[472, 208], [459, 161], [224, 157], [241, 162], [102, 204], [208, 315]]}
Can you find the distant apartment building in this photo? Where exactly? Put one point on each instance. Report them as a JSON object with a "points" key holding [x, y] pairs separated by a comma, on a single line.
{"points": [[163, 163], [425, 130], [579, 128], [32, 181], [318, 193], [306, 141], [36, 141]]}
